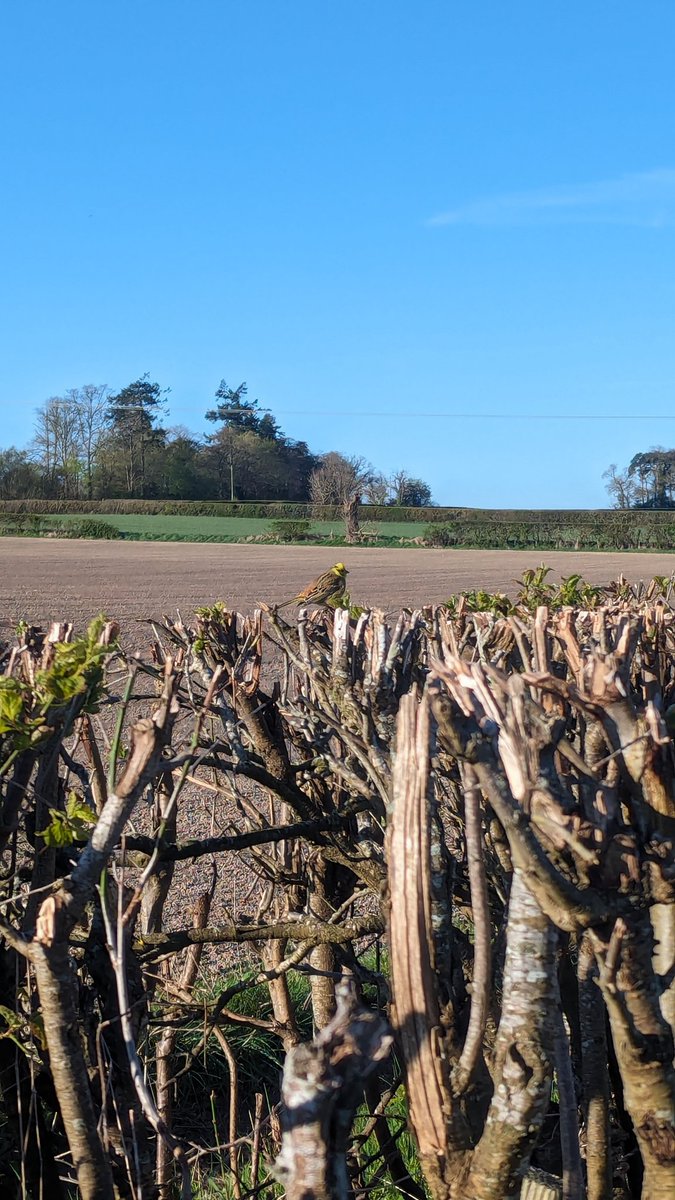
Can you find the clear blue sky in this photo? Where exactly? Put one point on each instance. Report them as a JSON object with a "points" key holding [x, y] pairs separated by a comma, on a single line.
{"points": [[358, 208]]}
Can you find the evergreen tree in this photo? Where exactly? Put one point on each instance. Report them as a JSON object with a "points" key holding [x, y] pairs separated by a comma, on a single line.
{"points": [[134, 414]]}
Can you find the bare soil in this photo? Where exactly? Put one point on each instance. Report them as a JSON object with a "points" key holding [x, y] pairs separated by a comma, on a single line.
{"points": [[42, 580]]}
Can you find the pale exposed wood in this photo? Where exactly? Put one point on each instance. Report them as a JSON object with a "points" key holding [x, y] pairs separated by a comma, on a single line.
{"points": [[440, 1130], [322, 1086], [523, 1052]]}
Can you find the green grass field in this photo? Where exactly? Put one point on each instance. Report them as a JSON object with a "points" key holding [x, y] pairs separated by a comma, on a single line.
{"points": [[606, 532], [233, 529]]}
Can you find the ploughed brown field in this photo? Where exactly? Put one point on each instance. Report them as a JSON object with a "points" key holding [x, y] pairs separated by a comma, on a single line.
{"points": [[42, 580]]}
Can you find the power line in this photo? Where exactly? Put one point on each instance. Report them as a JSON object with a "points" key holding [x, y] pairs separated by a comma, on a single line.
{"points": [[479, 416]]}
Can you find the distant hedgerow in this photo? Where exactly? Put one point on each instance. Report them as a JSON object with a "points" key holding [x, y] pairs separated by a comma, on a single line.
{"points": [[89, 528]]}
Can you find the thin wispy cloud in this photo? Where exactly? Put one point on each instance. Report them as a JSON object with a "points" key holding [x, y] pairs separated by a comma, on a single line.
{"points": [[646, 199]]}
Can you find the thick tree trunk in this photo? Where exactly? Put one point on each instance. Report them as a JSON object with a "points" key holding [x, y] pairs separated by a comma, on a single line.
{"points": [[322, 1086], [441, 1132], [58, 998], [644, 1049], [523, 1051], [322, 958], [350, 509]]}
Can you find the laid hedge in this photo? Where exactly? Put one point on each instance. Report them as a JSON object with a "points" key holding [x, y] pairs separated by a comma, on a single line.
{"points": [[278, 510], [268, 510], [522, 535], [283, 510]]}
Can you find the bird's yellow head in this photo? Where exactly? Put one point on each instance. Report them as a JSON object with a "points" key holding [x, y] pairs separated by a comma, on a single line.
{"points": [[340, 569]]}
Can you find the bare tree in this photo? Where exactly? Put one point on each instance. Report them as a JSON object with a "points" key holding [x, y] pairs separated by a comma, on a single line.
{"points": [[341, 481], [407, 491], [376, 490], [620, 486], [91, 402], [56, 445]]}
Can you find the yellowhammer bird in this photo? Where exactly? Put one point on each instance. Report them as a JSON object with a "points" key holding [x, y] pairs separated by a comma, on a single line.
{"points": [[328, 586]]}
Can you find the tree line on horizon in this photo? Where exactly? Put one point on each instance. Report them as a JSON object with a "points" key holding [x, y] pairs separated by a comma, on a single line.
{"points": [[92, 443], [648, 482]]}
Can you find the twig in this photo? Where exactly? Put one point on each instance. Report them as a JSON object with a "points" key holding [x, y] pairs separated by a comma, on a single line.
{"points": [[301, 830], [116, 950], [233, 1105], [315, 933], [117, 736], [255, 1148], [171, 802]]}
